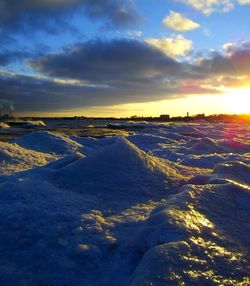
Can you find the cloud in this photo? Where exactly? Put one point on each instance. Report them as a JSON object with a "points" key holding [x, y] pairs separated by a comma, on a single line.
{"points": [[244, 2], [95, 73], [172, 47], [234, 62], [178, 22], [36, 94], [52, 16], [116, 12], [104, 73], [134, 33], [7, 56], [109, 62], [210, 6]]}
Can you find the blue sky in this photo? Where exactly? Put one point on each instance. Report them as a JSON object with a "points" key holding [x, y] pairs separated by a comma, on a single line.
{"points": [[111, 56]]}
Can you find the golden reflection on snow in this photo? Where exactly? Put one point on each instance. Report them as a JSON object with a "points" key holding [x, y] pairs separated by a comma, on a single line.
{"points": [[192, 219], [205, 259], [238, 184], [213, 250], [205, 254]]}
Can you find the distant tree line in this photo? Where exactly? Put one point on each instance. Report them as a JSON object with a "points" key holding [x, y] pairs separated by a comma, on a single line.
{"points": [[162, 118]]}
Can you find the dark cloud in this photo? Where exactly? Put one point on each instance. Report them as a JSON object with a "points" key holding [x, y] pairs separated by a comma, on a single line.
{"points": [[110, 62], [16, 15], [31, 94], [133, 61], [235, 62], [7, 56], [99, 73], [116, 12]]}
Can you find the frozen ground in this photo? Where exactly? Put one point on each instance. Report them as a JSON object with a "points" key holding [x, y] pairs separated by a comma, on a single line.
{"points": [[166, 205]]}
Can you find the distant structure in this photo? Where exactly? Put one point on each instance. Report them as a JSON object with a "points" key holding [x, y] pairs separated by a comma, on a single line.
{"points": [[11, 109], [134, 117], [6, 112], [165, 117], [5, 117], [187, 114], [200, 116]]}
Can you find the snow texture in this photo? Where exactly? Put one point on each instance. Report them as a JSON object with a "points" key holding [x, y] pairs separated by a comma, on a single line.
{"points": [[169, 205]]}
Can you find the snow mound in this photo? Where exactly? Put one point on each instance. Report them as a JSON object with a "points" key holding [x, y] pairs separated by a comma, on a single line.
{"points": [[91, 145], [203, 161], [3, 125], [86, 141], [194, 132], [66, 160], [122, 216], [189, 130], [37, 123], [37, 226], [129, 125], [235, 145], [207, 145], [14, 158], [27, 123], [119, 166], [48, 142], [233, 170], [197, 237], [147, 142]]}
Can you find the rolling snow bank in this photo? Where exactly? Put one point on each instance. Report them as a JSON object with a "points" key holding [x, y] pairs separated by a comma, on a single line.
{"points": [[37, 123], [200, 236], [120, 167], [48, 142], [166, 206], [27, 124], [14, 158]]}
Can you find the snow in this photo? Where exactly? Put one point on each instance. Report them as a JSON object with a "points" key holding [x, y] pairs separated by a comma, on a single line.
{"points": [[167, 205], [204, 249], [3, 125], [48, 142], [14, 158], [33, 123], [27, 123], [118, 167]]}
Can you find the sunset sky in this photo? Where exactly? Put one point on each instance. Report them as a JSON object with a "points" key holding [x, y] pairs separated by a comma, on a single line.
{"points": [[124, 57]]}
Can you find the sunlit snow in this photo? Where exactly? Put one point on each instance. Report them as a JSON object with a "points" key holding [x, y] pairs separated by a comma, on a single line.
{"points": [[165, 205]]}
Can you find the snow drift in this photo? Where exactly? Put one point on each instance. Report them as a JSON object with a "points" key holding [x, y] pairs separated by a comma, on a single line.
{"points": [[166, 206], [14, 158], [48, 142], [118, 167], [199, 236]]}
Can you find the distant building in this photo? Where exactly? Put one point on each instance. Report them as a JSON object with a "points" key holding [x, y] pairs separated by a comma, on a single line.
{"points": [[164, 117]]}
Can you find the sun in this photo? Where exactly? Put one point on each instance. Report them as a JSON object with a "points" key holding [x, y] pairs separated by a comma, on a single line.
{"points": [[236, 101]]}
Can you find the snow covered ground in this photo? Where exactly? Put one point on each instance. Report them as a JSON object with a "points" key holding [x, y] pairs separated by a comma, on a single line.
{"points": [[168, 205]]}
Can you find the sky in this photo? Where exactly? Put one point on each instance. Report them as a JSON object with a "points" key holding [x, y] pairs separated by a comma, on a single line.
{"points": [[124, 57]]}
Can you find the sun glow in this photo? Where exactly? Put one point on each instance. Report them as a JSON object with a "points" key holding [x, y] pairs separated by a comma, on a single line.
{"points": [[236, 101]]}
